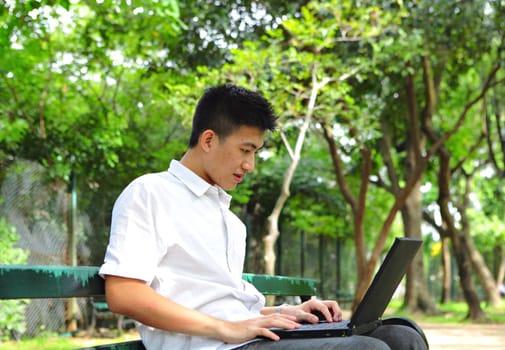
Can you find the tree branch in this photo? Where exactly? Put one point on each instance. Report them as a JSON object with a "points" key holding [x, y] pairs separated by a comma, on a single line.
{"points": [[288, 146]]}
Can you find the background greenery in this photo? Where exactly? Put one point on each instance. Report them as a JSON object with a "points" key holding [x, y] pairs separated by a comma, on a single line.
{"points": [[12, 323]]}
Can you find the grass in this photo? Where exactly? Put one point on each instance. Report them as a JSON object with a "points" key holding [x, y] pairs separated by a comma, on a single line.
{"points": [[451, 313], [58, 342], [46, 342]]}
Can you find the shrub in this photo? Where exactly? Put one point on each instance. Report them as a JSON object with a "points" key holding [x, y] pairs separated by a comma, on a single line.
{"points": [[12, 312]]}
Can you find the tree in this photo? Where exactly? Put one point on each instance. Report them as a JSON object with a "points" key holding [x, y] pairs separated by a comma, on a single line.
{"points": [[71, 87], [447, 67], [309, 76], [294, 153], [424, 45], [317, 39], [464, 250]]}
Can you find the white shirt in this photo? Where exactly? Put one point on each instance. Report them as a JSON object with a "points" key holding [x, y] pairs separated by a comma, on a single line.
{"points": [[175, 231]]}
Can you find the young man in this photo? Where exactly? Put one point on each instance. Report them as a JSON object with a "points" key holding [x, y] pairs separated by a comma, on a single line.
{"points": [[175, 257]]}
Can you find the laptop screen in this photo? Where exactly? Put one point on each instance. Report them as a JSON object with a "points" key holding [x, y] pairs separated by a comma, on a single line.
{"points": [[386, 280]]}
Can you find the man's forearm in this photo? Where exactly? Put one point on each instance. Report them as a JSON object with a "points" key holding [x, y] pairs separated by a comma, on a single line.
{"points": [[133, 298]]}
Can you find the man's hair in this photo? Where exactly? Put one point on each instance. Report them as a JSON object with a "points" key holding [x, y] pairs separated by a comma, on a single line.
{"points": [[226, 108]]}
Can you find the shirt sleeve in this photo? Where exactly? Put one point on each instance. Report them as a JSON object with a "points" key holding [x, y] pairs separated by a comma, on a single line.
{"points": [[133, 247]]}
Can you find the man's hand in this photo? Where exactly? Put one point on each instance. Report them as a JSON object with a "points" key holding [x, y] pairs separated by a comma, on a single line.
{"points": [[241, 331], [304, 312]]}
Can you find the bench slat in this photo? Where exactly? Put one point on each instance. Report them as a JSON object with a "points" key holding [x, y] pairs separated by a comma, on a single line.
{"points": [[282, 285], [47, 281], [20, 281], [128, 345]]}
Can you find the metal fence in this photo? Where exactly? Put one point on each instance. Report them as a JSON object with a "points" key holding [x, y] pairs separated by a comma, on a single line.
{"points": [[35, 206]]}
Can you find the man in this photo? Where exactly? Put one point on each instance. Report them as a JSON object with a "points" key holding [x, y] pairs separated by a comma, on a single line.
{"points": [[175, 257]]}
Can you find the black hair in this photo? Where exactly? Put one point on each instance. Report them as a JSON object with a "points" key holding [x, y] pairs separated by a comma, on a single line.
{"points": [[226, 108]]}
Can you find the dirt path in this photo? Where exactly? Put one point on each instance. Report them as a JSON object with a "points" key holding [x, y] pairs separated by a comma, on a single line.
{"points": [[465, 337]]}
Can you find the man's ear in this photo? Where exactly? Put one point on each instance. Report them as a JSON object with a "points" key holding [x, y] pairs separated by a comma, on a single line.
{"points": [[207, 139]]}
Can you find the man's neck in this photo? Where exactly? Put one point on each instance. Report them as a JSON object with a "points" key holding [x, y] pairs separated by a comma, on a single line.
{"points": [[192, 160]]}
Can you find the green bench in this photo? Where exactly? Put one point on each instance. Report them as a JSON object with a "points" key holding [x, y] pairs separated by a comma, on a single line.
{"points": [[345, 299], [42, 281]]}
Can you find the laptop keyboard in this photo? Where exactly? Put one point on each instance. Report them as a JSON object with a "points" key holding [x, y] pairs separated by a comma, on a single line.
{"points": [[325, 325]]}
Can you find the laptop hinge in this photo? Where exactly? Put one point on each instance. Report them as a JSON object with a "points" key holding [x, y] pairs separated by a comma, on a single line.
{"points": [[366, 328]]}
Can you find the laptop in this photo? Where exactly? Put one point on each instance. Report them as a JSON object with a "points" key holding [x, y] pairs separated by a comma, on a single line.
{"points": [[369, 312]]}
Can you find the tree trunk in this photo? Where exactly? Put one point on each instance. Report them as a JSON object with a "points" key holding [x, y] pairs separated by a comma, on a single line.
{"points": [[69, 214], [357, 205], [460, 252], [445, 296], [417, 296], [499, 253], [273, 219], [475, 311], [482, 271]]}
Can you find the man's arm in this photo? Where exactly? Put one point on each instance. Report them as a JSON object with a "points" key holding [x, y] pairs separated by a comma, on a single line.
{"points": [[137, 300]]}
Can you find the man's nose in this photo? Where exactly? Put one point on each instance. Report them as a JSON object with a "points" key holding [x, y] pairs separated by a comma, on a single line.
{"points": [[249, 164]]}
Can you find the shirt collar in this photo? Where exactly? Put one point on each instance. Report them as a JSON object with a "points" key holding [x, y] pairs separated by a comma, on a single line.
{"points": [[195, 183]]}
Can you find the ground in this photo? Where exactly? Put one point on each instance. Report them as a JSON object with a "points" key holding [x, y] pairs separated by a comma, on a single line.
{"points": [[465, 337]]}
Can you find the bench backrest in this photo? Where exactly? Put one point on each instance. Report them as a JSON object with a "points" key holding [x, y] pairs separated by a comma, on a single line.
{"points": [[46, 281]]}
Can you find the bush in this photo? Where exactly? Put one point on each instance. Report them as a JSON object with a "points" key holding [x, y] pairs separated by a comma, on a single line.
{"points": [[12, 312]]}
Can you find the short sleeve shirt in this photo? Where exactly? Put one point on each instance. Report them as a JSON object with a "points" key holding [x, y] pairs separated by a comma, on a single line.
{"points": [[176, 232]]}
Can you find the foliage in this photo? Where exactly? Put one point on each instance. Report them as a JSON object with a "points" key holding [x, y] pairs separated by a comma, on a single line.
{"points": [[105, 90], [8, 239], [12, 318], [280, 67], [79, 98], [212, 28], [78, 88], [488, 230]]}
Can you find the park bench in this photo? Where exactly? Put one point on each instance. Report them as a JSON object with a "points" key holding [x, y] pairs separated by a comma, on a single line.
{"points": [[344, 298], [32, 282]]}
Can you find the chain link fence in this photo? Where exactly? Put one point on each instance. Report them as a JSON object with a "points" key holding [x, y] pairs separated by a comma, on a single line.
{"points": [[36, 206]]}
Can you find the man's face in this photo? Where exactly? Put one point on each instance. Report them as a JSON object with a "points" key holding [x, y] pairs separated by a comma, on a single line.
{"points": [[230, 159]]}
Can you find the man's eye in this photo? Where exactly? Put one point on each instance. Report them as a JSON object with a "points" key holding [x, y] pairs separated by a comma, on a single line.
{"points": [[246, 151]]}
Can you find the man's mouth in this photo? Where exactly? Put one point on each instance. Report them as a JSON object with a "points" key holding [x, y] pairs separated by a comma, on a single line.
{"points": [[238, 178]]}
